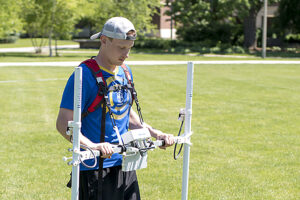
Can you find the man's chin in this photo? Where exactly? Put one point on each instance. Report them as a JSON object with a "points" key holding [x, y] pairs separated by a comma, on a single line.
{"points": [[120, 62]]}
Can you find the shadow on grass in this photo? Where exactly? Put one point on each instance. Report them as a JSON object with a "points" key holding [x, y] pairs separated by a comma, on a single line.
{"points": [[281, 54], [278, 54], [31, 55], [34, 55]]}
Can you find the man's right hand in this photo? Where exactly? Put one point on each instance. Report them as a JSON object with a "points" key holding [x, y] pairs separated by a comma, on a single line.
{"points": [[105, 148]]}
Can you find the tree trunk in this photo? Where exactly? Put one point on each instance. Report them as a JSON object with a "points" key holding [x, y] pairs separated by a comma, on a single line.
{"points": [[50, 45], [51, 28], [56, 52], [250, 30]]}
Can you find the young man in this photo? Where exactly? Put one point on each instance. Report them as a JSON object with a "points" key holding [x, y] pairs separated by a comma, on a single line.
{"points": [[117, 38]]}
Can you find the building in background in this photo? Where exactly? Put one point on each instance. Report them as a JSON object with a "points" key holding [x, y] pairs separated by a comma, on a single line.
{"points": [[165, 26]]}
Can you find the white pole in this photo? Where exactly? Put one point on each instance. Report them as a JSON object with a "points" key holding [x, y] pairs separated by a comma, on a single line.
{"points": [[264, 38], [76, 131], [188, 123]]}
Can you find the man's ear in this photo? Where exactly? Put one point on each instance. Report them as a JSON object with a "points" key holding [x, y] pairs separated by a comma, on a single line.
{"points": [[103, 39]]}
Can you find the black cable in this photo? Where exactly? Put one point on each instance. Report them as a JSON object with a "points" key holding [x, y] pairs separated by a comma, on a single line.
{"points": [[175, 147]]}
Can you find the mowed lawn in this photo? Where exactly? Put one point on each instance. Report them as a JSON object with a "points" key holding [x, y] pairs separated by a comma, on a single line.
{"points": [[246, 141]]}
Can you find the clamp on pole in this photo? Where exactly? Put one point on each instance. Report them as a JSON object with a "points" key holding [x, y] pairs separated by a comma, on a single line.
{"points": [[72, 125], [184, 139]]}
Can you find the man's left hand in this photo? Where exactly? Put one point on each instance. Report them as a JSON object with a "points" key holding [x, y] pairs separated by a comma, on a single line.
{"points": [[168, 138]]}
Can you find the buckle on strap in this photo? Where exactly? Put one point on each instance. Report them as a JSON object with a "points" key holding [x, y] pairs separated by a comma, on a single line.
{"points": [[99, 80], [118, 87]]}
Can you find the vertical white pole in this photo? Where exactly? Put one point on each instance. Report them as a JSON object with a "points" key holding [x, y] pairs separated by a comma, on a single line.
{"points": [[76, 131], [187, 130], [264, 42]]}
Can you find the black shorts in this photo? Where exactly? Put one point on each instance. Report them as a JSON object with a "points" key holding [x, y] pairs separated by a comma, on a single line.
{"points": [[117, 185]]}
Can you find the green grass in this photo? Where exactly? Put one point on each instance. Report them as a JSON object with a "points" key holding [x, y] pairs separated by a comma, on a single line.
{"points": [[27, 43], [73, 55], [137, 54], [245, 121]]}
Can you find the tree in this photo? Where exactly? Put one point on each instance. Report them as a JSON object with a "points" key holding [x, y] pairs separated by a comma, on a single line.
{"points": [[48, 18], [289, 15], [248, 10], [139, 12], [205, 20], [64, 20], [10, 22], [226, 21], [36, 17]]}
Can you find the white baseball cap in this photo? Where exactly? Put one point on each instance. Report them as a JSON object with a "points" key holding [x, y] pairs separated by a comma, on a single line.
{"points": [[116, 27]]}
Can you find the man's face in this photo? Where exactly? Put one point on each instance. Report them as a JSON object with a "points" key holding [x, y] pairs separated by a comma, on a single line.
{"points": [[117, 50]]}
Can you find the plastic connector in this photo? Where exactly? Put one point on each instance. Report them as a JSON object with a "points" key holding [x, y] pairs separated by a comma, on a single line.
{"points": [[69, 131], [181, 114]]}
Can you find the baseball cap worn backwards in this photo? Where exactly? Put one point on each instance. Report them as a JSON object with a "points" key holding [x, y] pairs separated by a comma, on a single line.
{"points": [[116, 27]]}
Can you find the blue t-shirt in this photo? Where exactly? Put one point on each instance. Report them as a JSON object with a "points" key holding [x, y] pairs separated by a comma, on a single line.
{"points": [[91, 125]]}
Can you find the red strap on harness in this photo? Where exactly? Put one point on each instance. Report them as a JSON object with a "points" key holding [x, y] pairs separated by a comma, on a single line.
{"points": [[129, 79], [97, 73], [127, 73]]}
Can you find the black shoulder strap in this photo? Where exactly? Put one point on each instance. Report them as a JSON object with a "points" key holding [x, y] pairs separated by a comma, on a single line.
{"points": [[100, 170], [133, 91]]}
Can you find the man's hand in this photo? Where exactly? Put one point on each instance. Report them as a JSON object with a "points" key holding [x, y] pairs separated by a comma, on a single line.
{"points": [[159, 135], [105, 148], [134, 123], [168, 138]]}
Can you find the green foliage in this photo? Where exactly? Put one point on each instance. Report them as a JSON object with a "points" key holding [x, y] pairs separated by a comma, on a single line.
{"points": [[52, 16], [216, 21], [9, 39], [37, 16], [139, 12], [181, 46], [64, 18], [206, 20], [152, 43], [289, 15], [48, 19], [292, 38], [10, 23]]}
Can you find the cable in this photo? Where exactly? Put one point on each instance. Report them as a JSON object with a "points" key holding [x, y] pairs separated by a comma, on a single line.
{"points": [[94, 157], [175, 147]]}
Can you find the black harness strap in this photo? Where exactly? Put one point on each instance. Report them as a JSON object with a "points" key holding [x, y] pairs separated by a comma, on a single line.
{"points": [[130, 86], [100, 170]]}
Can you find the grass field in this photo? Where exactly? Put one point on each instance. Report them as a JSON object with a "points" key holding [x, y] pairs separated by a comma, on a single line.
{"points": [[27, 43], [246, 142], [74, 55], [137, 54]]}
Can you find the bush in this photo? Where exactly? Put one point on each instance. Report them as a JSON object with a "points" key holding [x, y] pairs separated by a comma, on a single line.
{"points": [[292, 38], [9, 39], [238, 49], [228, 50], [180, 46], [215, 49], [152, 43], [275, 48]]}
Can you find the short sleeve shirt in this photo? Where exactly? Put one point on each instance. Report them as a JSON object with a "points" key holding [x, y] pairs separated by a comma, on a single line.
{"points": [[120, 101]]}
